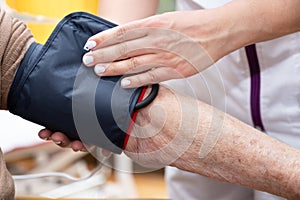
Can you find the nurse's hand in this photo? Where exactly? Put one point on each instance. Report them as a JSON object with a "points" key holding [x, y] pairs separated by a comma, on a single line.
{"points": [[180, 44], [61, 139], [162, 47]]}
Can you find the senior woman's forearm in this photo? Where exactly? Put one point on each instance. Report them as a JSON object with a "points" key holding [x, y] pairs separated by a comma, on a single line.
{"points": [[193, 136], [242, 155]]}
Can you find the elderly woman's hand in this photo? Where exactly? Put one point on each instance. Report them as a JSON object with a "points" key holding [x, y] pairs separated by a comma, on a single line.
{"points": [[61, 139]]}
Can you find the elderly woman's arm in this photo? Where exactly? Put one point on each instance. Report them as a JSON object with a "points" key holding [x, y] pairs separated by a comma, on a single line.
{"points": [[185, 133], [180, 131]]}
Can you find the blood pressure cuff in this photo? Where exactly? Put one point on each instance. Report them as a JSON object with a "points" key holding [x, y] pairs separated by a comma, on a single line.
{"points": [[54, 89]]}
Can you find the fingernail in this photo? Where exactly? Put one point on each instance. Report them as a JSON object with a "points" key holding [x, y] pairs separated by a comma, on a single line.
{"points": [[125, 82], [58, 142], [87, 59], [89, 45], [45, 139], [99, 69]]}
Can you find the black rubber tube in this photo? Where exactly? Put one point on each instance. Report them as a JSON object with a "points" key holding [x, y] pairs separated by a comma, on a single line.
{"points": [[149, 98]]}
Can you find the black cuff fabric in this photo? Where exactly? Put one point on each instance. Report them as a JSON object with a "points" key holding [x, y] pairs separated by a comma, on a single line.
{"points": [[54, 89]]}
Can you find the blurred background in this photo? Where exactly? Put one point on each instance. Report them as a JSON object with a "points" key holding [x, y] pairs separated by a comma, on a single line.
{"points": [[26, 153], [42, 15]]}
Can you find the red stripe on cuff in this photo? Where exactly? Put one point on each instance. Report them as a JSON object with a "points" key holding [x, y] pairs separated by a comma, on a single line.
{"points": [[133, 118]]}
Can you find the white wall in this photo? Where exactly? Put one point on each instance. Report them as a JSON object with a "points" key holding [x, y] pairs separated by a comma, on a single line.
{"points": [[17, 132]]}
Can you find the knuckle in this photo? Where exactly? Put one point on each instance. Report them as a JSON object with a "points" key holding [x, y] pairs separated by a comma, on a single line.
{"points": [[122, 49], [120, 33], [98, 55], [113, 68], [161, 22], [133, 63], [152, 76], [138, 81], [167, 56], [160, 42]]}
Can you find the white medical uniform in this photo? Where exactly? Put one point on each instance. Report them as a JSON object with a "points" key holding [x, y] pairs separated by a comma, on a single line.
{"points": [[228, 85]]}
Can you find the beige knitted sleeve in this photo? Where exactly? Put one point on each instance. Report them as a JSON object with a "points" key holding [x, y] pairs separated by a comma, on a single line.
{"points": [[15, 38], [7, 189]]}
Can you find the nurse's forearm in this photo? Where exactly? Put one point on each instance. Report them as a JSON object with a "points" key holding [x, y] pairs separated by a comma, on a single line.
{"points": [[252, 21], [193, 136], [125, 11]]}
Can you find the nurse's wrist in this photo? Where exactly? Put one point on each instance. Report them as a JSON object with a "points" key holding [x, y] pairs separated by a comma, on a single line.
{"points": [[234, 26], [235, 29], [217, 32]]}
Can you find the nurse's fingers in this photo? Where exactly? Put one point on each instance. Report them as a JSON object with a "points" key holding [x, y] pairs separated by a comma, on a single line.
{"points": [[131, 65], [150, 77], [119, 51], [119, 34]]}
